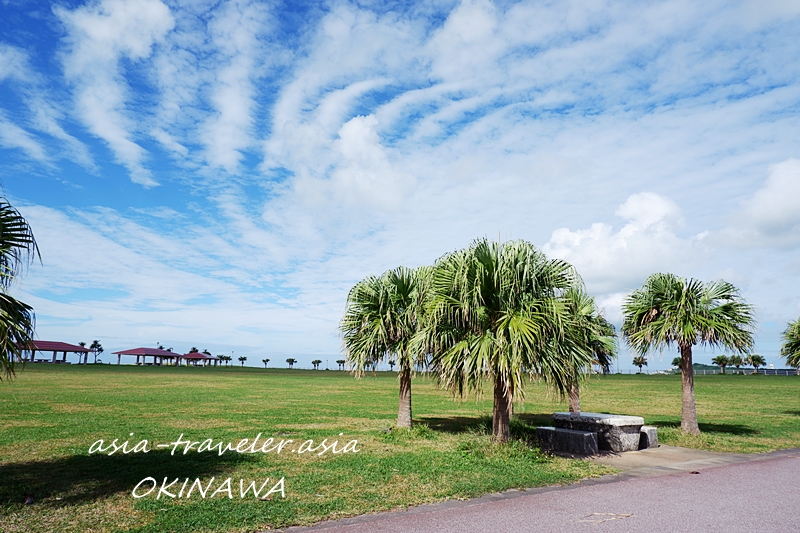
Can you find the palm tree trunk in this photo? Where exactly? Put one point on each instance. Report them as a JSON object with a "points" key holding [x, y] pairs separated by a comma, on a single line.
{"points": [[404, 408], [688, 411], [501, 430], [574, 398]]}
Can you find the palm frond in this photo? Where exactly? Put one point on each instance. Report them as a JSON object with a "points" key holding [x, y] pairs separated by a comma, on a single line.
{"points": [[791, 344], [17, 245], [670, 310], [382, 317], [16, 332], [495, 310]]}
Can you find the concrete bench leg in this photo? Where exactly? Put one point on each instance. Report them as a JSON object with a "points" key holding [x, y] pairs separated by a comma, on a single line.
{"points": [[648, 437], [567, 440]]}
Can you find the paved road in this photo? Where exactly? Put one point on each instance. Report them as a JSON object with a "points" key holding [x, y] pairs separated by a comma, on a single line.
{"points": [[756, 495]]}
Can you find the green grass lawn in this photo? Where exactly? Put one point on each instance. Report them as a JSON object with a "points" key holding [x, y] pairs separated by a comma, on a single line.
{"points": [[50, 416]]}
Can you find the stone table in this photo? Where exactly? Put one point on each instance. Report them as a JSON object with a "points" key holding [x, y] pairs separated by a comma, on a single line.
{"points": [[618, 433]]}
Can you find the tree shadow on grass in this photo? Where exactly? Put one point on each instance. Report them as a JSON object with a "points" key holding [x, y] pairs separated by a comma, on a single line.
{"points": [[523, 426], [536, 419], [81, 478], [706, 427], [458, 424], [795, 413]]}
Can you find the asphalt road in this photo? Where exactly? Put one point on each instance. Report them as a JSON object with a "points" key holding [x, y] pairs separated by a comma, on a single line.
{"points": [[758, 495]]}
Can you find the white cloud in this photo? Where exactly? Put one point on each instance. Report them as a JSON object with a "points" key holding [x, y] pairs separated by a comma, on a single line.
{"points": [[12, 136], [612, 261], [13, 63], [468, 45], [365, 177], [235, 31], [771, 216], [15, 66], [99, 36]]}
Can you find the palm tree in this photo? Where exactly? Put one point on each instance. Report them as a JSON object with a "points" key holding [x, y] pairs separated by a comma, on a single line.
{"points": [[381, 319], [391, 364], [669, 310], [757, 361], [265, 361], [640, 361], [97, 348], [316, 363], [82, 345], [291, 362], [721, 361], [496, 315], [193, 350], [736, 360], [676, 362], [341, 363], [588, 331], [17, 321], [242, 359], [791, 344]]}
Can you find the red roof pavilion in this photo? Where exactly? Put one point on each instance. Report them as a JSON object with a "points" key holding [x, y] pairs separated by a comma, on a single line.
{"points": [[160, 355], [55, 347], [197, 356], [155, 353]]}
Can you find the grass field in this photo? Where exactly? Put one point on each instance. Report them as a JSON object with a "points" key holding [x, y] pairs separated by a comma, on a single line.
{"points": [[51, 415]]}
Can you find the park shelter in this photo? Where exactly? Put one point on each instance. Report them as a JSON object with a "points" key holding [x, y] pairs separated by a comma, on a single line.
{"points": [[158, 355], [198, 359], [55, 347]]}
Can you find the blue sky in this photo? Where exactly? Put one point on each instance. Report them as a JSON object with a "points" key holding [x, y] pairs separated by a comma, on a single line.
{"points": [[219, 174]]}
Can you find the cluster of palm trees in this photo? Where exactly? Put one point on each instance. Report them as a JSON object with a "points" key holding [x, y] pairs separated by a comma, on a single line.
{"points": [[491, 315], [724, 361], [497, 314]]}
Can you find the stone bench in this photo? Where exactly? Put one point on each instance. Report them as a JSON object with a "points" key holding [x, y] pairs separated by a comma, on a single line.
{"points": [[567, 440], [618, 433]]}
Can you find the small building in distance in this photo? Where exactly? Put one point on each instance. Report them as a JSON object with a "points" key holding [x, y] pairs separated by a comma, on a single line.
{"points": [[55, 347], [162, 357], [158, 355]]}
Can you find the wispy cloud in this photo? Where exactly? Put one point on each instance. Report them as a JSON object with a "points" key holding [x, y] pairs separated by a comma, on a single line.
{"points": [[100, 36], [44, 116], [236, 31], [12, 136]]}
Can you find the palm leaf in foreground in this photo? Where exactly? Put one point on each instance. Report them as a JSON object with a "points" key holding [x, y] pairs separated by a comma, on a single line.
{"points": [[17, 248]]}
